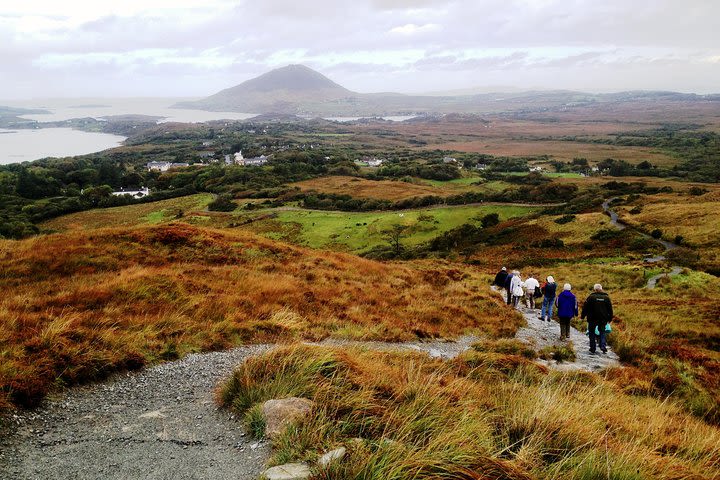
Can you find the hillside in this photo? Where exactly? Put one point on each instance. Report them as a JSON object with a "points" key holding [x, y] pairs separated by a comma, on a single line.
{"points": [[82, 305]]}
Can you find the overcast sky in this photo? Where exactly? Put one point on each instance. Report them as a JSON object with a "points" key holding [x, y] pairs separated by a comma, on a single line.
{"points": [[72, 48]]}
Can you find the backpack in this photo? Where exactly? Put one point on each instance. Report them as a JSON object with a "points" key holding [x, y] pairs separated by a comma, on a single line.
{"points": [[538, 292]]}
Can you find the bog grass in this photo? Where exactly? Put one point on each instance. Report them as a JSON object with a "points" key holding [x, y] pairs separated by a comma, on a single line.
{"points": [[79, 306], [480, 416]]}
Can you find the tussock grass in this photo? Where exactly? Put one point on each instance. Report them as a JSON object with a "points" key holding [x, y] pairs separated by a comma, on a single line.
{"points": [[79, 306], [405, 416]]}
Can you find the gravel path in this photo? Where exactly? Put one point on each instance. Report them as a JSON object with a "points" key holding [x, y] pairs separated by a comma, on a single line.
{"points": [[541, 334], [160, 423], [652, 281], [444, 349]]}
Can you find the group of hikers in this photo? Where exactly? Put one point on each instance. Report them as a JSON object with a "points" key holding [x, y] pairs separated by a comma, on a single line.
{"points": [[597, 308]]}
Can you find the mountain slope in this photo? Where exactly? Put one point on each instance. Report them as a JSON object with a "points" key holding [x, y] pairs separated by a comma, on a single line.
{"points": [[282, 90]]}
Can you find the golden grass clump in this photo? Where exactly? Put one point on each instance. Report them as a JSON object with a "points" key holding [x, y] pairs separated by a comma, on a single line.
{"points": [[404, 415]]}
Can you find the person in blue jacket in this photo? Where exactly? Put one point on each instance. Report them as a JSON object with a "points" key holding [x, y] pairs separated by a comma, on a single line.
{"points": [[567, 308], [549, 290]]}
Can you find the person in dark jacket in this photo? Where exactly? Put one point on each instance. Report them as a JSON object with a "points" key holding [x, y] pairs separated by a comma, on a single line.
{"points": [[500, 278], [549, 290], [508, 288], [567, 308], [599, 312]]}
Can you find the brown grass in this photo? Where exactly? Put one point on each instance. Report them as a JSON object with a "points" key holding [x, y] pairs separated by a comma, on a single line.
{"points": [[81, 305], [560, 150], [482, 416], [380, 189]]}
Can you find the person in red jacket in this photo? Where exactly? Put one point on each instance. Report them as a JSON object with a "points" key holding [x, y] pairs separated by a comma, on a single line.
{"points": [[599, 312]]}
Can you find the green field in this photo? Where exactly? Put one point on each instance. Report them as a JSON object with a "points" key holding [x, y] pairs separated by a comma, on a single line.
{"points": [[359, 232]]}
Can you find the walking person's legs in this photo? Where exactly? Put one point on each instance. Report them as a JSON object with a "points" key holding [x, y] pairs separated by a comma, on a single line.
{"points": [[543, 308], [551, 304], [564, 328], [509, 295], [602, 339], [591, 335]]}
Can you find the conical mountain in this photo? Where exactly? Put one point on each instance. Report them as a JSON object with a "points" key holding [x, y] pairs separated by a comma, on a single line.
{"points": [[283, 90]]}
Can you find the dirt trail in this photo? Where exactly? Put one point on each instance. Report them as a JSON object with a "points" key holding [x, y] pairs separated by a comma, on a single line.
{"points": [[652, 281], [541, 334], [160, 423]]}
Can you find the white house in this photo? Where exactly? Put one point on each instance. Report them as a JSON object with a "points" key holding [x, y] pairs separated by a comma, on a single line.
{"points": [[164, 166], [144, 192], [255, 161]]}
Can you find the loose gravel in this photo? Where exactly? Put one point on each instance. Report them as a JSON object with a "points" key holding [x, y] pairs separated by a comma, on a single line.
{"points": [[160, 423]]}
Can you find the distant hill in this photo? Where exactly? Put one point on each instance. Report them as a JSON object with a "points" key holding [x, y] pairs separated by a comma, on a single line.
{"points": [[283, 90], [299, 90]]}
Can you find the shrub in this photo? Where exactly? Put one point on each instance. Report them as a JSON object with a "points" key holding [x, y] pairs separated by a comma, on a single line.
{"points": [[559, 353], [490, 220], [656, 233], [565, 219], [222, 203]]}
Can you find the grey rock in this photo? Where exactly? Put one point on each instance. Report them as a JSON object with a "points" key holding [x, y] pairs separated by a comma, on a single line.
{"points": [[289, 471], [332, 456], [279, 413]]}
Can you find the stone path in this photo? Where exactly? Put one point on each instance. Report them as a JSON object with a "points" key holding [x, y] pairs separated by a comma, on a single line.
{"points": [[652, 281], [160, 423], [540, 334]]}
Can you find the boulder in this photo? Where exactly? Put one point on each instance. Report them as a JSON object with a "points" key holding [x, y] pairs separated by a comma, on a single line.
{"points": [[289, 471], [279, 413], [331, 456]]}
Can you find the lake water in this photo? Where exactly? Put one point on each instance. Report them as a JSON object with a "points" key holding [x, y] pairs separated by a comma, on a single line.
{"points": [[25, 145], [65, 109]]}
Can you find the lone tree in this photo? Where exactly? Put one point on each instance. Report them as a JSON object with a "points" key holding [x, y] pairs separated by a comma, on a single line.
{"points": [[395, 234]]}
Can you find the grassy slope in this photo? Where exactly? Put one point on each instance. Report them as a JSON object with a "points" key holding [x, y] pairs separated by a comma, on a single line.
{"points": [[480, 416], [130, 215], [81, 305], [359, 232]]}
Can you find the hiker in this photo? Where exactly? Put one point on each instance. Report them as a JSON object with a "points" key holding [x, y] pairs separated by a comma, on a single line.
{"points": [[500, 278], [567, 308], [516, 287], [549, 290], [599, 312], [531, 285], [508, 288]]}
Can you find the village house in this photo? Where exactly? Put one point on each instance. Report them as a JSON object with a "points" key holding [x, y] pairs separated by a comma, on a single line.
{"points": [[247, 162], [164, 166], [143, 192]]}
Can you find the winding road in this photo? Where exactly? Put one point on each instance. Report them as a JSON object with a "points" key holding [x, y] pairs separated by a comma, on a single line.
{"points": [[620, 225]]}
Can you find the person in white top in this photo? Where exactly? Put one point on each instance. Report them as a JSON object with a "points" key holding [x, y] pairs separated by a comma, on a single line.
{"points": [[530, 285], [516, 287]]}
